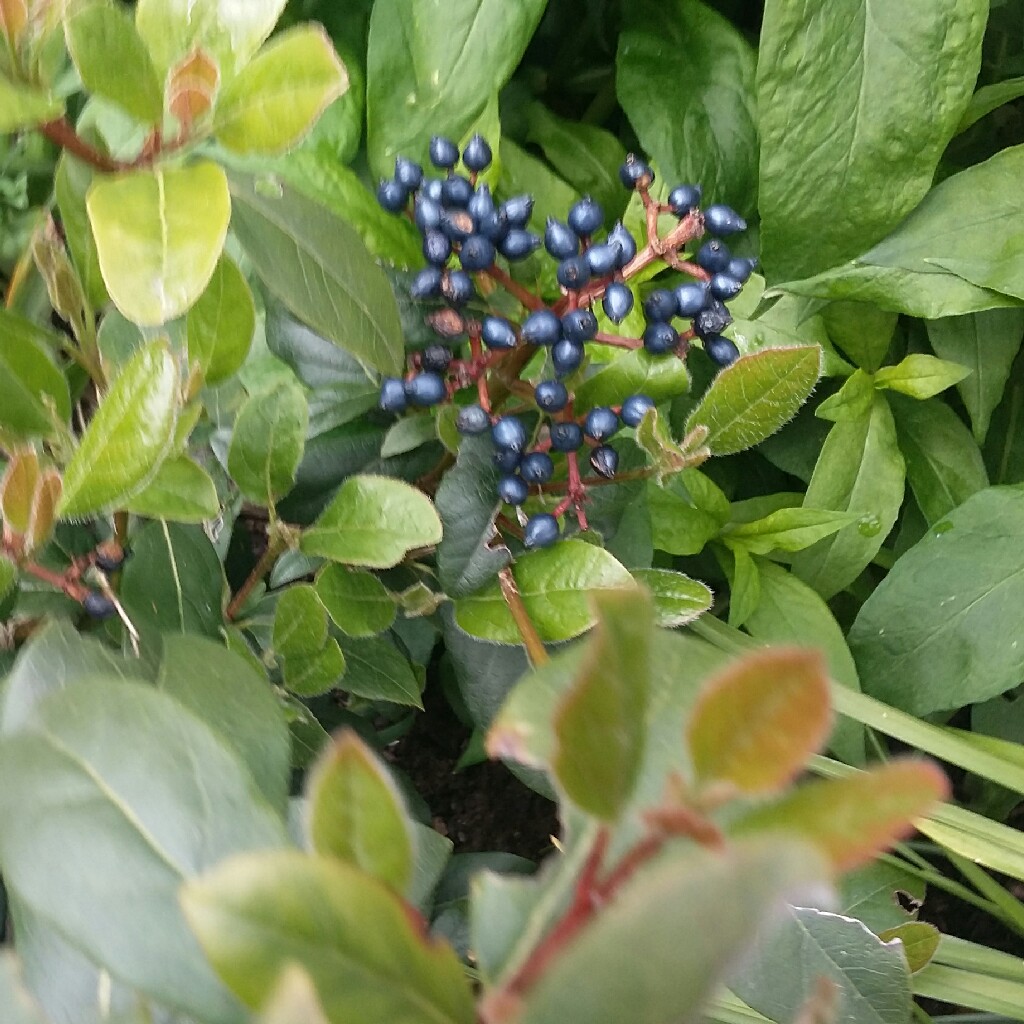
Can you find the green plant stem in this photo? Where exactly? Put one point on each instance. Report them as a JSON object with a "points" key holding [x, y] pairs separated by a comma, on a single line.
{"points": [[275, 548], [527, 630]]}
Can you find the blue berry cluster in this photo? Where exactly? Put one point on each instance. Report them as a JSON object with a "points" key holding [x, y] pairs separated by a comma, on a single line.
{"points": [[465, 232]]}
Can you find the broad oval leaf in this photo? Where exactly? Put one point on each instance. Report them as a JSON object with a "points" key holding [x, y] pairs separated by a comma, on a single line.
{"points": [[219, 327], [677, 598], [634, 372], [920, 942], [358, 603], [788, 529], [377, 670], [373, 521], [181, 490], [24, 106], [256, 913], [300, 622], [920, 376], [756, 396], [159, 234], [128, 437], [32, 379]]}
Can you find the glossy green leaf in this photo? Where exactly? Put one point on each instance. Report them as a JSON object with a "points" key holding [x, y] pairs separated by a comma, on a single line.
{"points": [[633, 372], [24, 106], [705, 133], [789, 529], [355, 813], [112, 59], [756, 396], [555, 585], [859, 470], [852, 401], [989, 98], [919, 939], [373, 521], [872, 894], [897, 81], [315, 672], [986, 344], [358, 602], [128, 437], [939, 631], [407, 434], [181, 490], [32, 379], [744, 585], [862, 331], [74, 784], [219, 327], [277, 97], [267, 442], [300, 622], [159, 234], [257, 913], [677, 598], [599, 724], [317, 266], [437, 79], [677, 525], [377, 670], [920, 376]]}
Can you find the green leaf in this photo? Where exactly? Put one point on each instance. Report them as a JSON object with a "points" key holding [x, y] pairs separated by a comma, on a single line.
{"points": [[112, 60], [71, 183], [599, 724], [407, 435], [667, 458], [24, 106], [852, 401], [294, 1000], [232, 33], [33, 383], [862, 331], [744, 586], [633, 372], [678, 526], [870, 895], [8, 576], [938, 631], [159, 234], [373, 521], [555, 584], [756, 396], [181, 490], [300, 622], [74, 784], [859, 470], [944, 465], [356, 813], [757, 722], [705, 133], [677, 598], [920, 376], [224, 690], [897, 82], [789, 529], [358, 602], [377, 670], [437, 79], [267, 442], [318, 267], [989, 98], [986, 344], [276, 98], [219, 327], [919, 940], [128, 438]]}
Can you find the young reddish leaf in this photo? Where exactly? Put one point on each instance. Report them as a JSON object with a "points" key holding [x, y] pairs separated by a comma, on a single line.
{"points": [[192, 86], [758, 721], [17, 489], [357, 814], [854, 819], [44, 507], [13, 16], [599, 725], [920, 941]]}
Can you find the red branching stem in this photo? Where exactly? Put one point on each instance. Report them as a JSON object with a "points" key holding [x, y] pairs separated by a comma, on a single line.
{"points": [[617, 340], [556, 486], [61, 581], [576, 492], [61, 132], [527, 298]]}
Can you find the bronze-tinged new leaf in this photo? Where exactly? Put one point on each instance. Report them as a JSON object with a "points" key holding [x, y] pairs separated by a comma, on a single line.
{"points": [[758, 721], [13, 17], [17, 491], [192, 86], [853, 819], [44, 509]]}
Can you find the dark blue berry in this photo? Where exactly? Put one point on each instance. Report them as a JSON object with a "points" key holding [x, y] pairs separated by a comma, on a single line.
{"points": [[518, 210], [605, 461], [625, 241], [392, 395], [684, 198], [408, 173], [426, 284], [492, 225], [579, 325], [635, 173], [721, 350], [391, 195], [513, 490], [98, 605], [560, 241], [566, 437], [691, 298], [443, 152], [634, 408], [603, 259], [713, 256], [741, 267], [541, 531], [436, 358], [472, 420], [573, 273], [712, 319], [660, 305], [456, 191], [509, 433], [518, 244], [482, 203], [723, 220], [437, 247], [507, 459], [536, 468], [551, 395], [566, 356], [427, 214], [431, 189], [617, 302], [542, 327], [477, 253], [457, 224], [477, 154], [497, 332], [601, 423], [585, 216], [660, 337], [725, 287], [110, 556], [425, 389], [457, 287]]}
